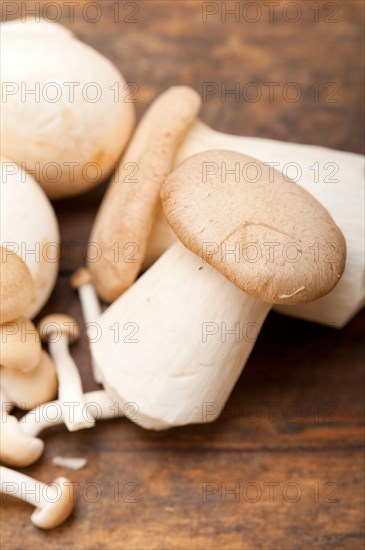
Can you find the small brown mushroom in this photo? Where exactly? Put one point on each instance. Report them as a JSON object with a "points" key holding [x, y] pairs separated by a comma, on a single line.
{"points": [[17, 448], [26, 390], [54, 503], [20, 345], [60, 331]]}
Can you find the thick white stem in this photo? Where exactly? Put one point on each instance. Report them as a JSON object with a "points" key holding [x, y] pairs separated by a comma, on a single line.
{"points": [[91, 311], [96, 403], [70, 390], [174, 344], [26, 488]]}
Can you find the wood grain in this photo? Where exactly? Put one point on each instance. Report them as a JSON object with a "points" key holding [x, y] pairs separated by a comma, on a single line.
{"points": [[295, 418]]}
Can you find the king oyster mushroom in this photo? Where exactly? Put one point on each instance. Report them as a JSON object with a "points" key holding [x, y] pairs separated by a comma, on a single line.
{"points": [[127, 213], [168, 369]]}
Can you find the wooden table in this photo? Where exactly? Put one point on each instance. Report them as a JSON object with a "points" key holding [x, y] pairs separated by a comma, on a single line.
{"points": [[282, 467]]}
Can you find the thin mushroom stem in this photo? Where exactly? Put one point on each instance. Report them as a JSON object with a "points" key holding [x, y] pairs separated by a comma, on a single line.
{"points": [[57, 330], [90, 305], [25, 487], [54, 502], [97, 403], [70, 386]]}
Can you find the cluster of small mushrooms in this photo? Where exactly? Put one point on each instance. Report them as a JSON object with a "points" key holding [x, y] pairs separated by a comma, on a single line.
{"points": [[173, 221]]}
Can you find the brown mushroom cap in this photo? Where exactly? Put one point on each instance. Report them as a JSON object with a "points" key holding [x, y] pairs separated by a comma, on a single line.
{"points": [[81, 277], [20, 345], [262, 231], [29, 389], [57, 511], [52, 326], [16, 286]]}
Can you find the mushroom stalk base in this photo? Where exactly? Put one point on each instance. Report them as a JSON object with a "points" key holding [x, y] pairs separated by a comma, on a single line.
{"points": [[174, 344]]}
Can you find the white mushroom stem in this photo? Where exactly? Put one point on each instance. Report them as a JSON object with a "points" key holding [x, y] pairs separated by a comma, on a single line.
{"points": [[53, 502], [90, 305], [98, 404], [193, 333], [25, 488], [70, 390]]}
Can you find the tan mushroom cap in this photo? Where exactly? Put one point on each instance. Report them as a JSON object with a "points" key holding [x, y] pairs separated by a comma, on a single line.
{"points": [[20, 345], [81, 277], [29, 389], [16, 286], [262, 231], [17, 448], [56, 512], [52, 326]]}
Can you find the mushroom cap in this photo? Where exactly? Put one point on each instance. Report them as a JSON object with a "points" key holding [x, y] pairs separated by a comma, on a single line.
{"points": [[29, 389], [81, 118], [81, 277], [28, 222], [20, 345], [17, 448], [55, 513], [56, 324], [16, 286], [258, 228]]}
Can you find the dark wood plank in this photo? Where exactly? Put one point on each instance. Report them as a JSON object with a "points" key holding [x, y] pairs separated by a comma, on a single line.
{"points": [[296, 414]]}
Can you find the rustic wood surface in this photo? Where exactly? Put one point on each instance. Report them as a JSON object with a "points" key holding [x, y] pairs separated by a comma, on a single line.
{"points": [[289, 442]]}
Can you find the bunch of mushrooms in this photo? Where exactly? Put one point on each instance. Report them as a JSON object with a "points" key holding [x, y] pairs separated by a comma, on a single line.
{"points": [[234, 248], [27, 373], [169, 370]]}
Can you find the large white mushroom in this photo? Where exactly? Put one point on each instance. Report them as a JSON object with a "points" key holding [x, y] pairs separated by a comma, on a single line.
{"points": [[191, 315], [29, 228], [67, 112]]}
